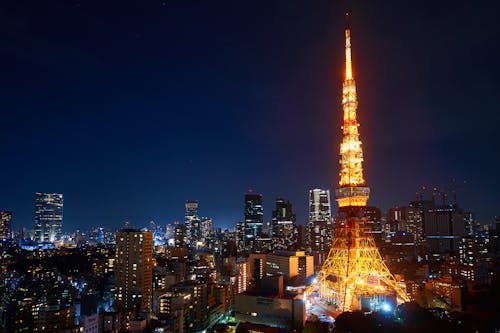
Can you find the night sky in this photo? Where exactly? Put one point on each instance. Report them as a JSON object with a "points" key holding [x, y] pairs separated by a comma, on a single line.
{"points": [[129, 108]]}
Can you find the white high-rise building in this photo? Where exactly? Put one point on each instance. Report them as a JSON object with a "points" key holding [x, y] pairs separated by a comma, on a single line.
{"points": [[320, 226]]}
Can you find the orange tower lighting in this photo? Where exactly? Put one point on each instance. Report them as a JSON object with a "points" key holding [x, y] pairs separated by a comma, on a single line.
{"points": [[354, 267]]}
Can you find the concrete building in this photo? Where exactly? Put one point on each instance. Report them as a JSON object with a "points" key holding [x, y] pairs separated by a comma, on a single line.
{"points": [[270, 306], [244, 275], [295, 267], [174, 310], [5, 225], [257, 265], [133, 268]]}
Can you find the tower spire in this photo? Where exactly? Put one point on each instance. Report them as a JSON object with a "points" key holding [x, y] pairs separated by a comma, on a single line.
{"points": [[352, 191], [348, 61]]}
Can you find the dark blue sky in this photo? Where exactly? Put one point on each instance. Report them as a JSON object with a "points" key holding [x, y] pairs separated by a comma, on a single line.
{"points": [[131, 107]]}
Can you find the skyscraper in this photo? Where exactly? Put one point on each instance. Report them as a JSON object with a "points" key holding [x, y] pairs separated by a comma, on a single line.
{"points": [[283, 226], [133, 269], [48, 216], [192, 222], [179, 235], [444, 227], [5, 225], [206, 228], [254, 215], [319, 227]]}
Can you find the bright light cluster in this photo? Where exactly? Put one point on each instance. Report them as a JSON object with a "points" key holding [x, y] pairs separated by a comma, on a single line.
{"points": [[351, 153]]}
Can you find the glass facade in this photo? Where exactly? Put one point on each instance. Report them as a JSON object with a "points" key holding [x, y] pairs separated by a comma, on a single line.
{"points": [[48, 217]]}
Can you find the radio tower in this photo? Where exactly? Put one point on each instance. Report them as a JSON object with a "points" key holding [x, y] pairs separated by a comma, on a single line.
{"points": [[354, 268]]}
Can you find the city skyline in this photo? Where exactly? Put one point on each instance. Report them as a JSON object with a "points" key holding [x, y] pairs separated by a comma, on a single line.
{"points": [[143, 110], [262, 112]]}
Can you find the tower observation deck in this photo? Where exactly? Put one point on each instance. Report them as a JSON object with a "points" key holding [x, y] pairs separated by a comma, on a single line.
{"points": [[353, 273]]}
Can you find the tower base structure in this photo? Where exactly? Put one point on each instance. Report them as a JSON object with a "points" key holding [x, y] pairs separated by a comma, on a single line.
{"points": [[354, 276]]}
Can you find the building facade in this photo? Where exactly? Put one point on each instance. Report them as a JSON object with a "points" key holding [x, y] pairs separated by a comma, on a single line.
{"points": [[319, 227], [192, 223], [5, 225], [133, 268], [48, 217], [254, 219], [284, 226], [295, 266]]}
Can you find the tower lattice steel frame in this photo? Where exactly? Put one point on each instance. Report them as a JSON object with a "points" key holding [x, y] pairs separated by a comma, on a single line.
{"points": [[354, 267]]}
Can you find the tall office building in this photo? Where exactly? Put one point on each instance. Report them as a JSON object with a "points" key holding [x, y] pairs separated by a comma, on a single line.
{"points": [[48, 216], [192, 222], [372, 223], [206, 228], [133, 269], [416, 219], [320, 205], [5, 225], [320, 226], [240, 237], [179, 235], [283, 226], [408, 220], [254, 215], [444, 227]]}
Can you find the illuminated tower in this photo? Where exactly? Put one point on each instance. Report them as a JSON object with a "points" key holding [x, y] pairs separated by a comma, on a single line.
{"points": [[354, 275]]}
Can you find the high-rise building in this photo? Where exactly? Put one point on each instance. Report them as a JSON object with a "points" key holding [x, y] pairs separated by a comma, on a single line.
{"points": [[174, 307], [5, 225], [444, 227], [416, 221], [48, 216], [372, 223], [206, 228], [240, 237], [254, 217], [192, 222], [198, 314], [133, 269], [407, 221], [244, 275], [283, 226], [179, 235], [320, 208], [319, 227]]}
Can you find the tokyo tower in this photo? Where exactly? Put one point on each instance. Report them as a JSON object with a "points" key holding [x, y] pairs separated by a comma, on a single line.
{"points": [[354, 271]]}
